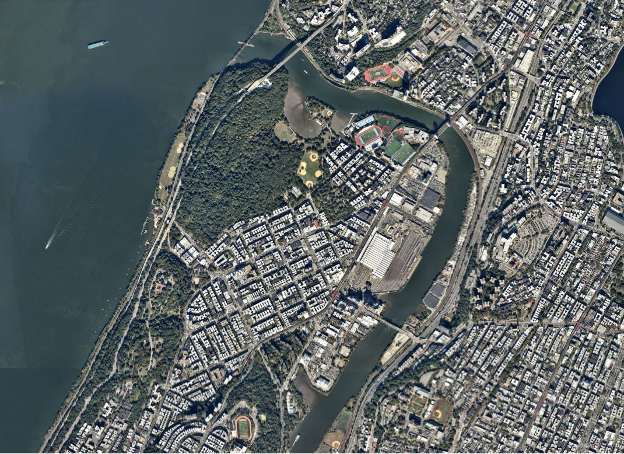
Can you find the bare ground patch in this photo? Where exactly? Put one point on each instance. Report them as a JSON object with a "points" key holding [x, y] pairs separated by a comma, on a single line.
{"points": [[284, 133]]}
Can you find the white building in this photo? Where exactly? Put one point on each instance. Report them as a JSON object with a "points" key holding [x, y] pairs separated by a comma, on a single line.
{"points": [[377, 254]]}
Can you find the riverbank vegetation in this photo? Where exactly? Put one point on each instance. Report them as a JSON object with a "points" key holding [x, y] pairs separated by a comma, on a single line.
{"points": [[141, 348], [283, 352], [406, 14]]}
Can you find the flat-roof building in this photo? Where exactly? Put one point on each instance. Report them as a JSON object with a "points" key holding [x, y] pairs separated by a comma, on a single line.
{"points": [[614, 220], [377, 254], [469, 47], [430, 199]]}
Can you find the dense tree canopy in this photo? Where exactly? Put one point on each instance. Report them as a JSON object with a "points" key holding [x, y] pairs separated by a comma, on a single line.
{"points": [[244, 170]]}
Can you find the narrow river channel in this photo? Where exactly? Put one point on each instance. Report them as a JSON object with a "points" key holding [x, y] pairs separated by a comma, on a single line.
{"points": [[366, 355]]}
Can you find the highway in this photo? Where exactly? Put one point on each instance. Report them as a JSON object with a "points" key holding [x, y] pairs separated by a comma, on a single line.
{"points": [[300, 46], [136, 285]]}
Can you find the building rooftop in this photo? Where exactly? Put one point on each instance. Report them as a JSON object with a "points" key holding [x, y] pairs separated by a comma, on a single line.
{"points": [[614, 220], [377, 254]]}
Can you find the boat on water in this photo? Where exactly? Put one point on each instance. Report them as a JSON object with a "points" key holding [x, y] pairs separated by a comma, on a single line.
{"points": [[96, 44]]}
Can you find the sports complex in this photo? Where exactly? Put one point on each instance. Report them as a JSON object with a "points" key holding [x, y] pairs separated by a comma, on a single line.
{"points": [[368, 135], [387, 124], [309, 169], [400, 152], [243, 428], [378, 73]]}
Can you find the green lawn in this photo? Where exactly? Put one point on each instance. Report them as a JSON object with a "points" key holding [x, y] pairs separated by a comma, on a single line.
{"points": [[343, 419], [417, 405], [404, 153], [393, 147], [387, 123], [243, 429], [309, 168]]}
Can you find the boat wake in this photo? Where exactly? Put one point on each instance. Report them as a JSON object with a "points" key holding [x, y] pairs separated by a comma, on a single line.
{"points": [[70, 218], [56, 229]]}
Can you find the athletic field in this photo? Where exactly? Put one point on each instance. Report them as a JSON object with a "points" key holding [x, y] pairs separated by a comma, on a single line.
{"points": [[442, 411], [378, 73], [403, 154], [393, 147], [309, 169], [368, 135], [395, 81], [243, 428], [387, 124]]}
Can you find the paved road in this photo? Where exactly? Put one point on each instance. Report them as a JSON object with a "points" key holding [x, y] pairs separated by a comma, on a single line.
{"points": [[562, 355], [300, 45], [477, 223]]}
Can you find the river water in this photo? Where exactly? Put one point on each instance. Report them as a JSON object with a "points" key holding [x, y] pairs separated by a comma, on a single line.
{"points": [[366, 355], [609, 97], [82, 137]]}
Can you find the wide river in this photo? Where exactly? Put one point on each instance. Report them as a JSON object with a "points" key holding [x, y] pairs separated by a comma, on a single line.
{"points": [[82, 137], [367, 353]]}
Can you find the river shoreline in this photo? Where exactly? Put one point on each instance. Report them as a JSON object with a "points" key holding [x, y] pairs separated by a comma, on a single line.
{"points": [[597, 85], [364, 359], [610, 118], [126, 299]]}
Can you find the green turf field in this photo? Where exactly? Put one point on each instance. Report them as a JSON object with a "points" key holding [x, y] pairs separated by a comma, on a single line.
{"points": [[387, 123], [243, 429], [369, 135], [343, 419], [377, 73], [403, 154], [392, 148]]}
